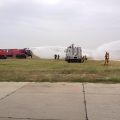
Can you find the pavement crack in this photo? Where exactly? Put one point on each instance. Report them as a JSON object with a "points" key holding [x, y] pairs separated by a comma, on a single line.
{"points": [[25, 118], [45, 93], [85, 101], [14, 91]]}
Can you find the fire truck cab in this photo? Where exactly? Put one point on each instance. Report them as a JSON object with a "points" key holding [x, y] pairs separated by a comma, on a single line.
{"points": [[3, 54]]}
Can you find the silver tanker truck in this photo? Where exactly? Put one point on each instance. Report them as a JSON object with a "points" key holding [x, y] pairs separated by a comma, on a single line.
{"points": [[73, 54]]}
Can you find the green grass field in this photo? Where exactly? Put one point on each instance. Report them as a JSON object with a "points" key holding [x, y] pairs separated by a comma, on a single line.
{"points": [[44, 70]]}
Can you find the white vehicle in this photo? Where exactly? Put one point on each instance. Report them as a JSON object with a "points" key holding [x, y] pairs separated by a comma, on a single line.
{"points": [[73, 54]]}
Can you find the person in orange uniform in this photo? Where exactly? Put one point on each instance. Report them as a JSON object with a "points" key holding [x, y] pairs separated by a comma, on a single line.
{"points": [[106, 58], [84, 58]]}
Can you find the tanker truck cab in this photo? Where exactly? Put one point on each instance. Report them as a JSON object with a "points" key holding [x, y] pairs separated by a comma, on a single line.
{"points": [[73, 54]]}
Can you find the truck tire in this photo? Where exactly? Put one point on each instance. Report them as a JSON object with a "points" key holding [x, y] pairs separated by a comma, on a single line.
{"points": [[5, 57], [80, 61], [21, 56], [17, 56], [68, 61], [24, 56]]}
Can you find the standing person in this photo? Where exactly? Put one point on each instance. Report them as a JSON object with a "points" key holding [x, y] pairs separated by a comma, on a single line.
{"points": [[106, 58], [85, 58], [58, 56], [55, 56]]}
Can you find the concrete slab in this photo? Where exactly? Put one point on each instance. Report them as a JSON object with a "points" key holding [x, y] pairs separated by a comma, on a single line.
{"points": [[102, 88], [8, 87], [60, 101], [103, 101]]}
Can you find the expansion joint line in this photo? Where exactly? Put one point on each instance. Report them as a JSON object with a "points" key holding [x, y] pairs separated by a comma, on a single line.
{"points": [[25, 118], [85, 101], [13, 92]]}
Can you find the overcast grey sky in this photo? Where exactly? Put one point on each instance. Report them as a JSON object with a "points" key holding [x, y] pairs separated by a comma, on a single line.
{"points": [[34, 23]]}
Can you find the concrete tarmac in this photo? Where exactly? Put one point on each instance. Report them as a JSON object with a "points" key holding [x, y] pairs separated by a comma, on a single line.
{"points": [[42, 101], [103, 101], [59, 101]]}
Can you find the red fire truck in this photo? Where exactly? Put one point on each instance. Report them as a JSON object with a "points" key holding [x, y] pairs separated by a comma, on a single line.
{"points": [[15, 53]]}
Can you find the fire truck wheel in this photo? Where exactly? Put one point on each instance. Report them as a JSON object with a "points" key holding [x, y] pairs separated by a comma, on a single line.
{"points": [[21, 56], [2, 57], [68, 61], [17, 56], [24, 56]]}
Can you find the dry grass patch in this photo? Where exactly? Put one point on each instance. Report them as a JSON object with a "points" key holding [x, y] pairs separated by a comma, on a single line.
{"points": [[40, 70]]}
